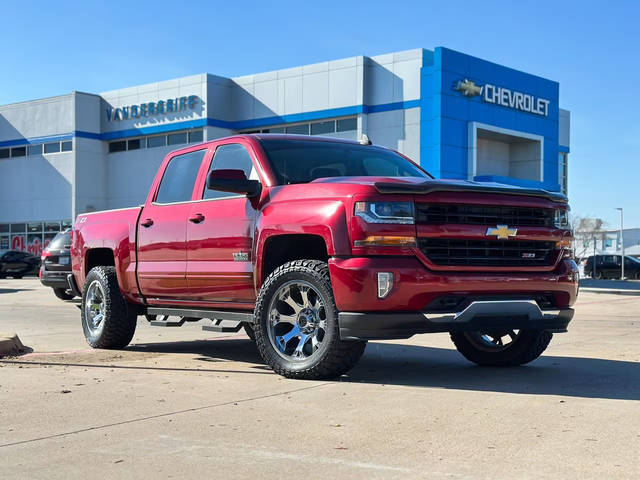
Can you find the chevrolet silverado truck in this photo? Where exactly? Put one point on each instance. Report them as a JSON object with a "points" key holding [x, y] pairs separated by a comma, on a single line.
{"points": [[316, 245]]}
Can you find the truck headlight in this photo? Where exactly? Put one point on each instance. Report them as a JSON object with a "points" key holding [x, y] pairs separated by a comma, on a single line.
{"points": [[562, 219], [385, 212]]}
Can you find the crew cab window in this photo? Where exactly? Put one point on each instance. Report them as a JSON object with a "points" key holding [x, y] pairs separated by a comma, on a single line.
{"points": [[179, 177], [232, 156]]}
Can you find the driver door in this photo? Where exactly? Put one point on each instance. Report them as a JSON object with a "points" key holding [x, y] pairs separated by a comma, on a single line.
{"points": [[220, 236]]}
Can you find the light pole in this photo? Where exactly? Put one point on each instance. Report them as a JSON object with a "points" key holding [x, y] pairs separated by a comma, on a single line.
{"points": [[621, 241]]}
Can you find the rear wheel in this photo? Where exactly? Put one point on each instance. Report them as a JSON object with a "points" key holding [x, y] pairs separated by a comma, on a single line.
{"points": [[107, 319], [503, 347], [62, 294], [296, 326]]}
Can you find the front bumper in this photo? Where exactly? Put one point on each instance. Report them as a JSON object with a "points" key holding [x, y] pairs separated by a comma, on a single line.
{"points": [[477, 316], [415, 287]]}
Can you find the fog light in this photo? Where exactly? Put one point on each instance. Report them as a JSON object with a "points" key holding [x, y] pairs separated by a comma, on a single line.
{"points": [[385, 283]]}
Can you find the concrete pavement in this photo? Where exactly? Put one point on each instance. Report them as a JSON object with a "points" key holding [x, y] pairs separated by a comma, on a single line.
{"points": [[183, 402]]}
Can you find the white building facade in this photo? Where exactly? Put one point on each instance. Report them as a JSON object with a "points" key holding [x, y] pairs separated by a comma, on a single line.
{"points": [[456, 115]]}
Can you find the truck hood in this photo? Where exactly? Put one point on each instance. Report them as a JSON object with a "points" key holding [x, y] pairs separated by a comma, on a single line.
{"points": [[416, 185]]}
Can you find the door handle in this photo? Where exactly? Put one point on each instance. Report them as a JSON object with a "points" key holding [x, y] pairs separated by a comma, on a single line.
{"points": [[197, 218], [147, 223]]}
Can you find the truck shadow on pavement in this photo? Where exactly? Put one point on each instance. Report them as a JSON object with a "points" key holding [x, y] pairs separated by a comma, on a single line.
{"points": [[418, 366], [430, 367]]}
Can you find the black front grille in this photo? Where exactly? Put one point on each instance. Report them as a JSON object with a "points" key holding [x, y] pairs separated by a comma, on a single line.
{"points": [[434, 213], [487, 253]]}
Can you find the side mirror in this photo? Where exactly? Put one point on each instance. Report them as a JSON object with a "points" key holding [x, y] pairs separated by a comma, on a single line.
{"points": [[234, 181]]}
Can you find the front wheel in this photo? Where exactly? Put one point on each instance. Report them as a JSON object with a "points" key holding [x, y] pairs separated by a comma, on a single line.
{"points": [[502, 348], [107, 319], [296, 326]]}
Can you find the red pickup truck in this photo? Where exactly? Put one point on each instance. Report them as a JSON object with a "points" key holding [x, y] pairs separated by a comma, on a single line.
{"points": [[316, 245]]}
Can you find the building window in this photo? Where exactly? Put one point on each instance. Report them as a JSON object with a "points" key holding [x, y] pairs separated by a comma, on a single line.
{"points": [[195, 136], [67, 146], [119, 146], [322, 128], [52, 147], [133, 144], [302, 129], [4, 153], [325, 127], [19, 151], [347, 124], [34, 149], [563, 171], [176, 138], [157, 141], [273, 130]]}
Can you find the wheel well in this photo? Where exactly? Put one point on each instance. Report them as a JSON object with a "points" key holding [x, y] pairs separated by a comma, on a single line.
{"points": [[281, 249], [98, 257]]}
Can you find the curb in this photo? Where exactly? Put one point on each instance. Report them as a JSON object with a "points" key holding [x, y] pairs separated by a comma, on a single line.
{"points": [[10, 345], [610, 291]]}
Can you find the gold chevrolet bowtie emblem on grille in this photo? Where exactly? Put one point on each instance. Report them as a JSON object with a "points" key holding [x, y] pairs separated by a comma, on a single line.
{"points": [[503, 232]]}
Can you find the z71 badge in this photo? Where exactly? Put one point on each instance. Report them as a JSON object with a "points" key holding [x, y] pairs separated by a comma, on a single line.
{"points": [[240, 256]]}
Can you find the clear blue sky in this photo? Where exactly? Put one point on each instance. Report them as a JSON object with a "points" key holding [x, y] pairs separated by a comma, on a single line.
{"points": [[591, 48]]}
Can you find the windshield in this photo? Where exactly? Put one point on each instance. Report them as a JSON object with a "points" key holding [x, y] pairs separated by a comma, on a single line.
{"points": [[631, 259], [302, 161]]}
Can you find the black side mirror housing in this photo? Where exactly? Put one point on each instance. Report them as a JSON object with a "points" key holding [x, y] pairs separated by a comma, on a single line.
{"points": [[235, 181]]}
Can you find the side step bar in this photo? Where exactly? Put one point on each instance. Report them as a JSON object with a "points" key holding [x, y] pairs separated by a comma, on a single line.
{"points": [[224, 321], [223, 326], [235, 316]]}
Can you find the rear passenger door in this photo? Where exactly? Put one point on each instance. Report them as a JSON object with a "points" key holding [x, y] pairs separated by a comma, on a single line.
{"points": [[220, 235], [162, 253]]}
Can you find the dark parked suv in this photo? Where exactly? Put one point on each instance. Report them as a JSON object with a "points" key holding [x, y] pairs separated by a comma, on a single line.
{"points": [[56, 265], [610, 266], [16, 264]]}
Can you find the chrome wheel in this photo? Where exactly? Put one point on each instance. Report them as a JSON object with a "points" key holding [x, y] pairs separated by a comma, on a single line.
{"points": [[493, 341], [297, 320], [94, 307]]}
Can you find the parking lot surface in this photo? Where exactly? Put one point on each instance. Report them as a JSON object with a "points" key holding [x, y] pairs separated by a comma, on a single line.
{"points": [[182, 402]]}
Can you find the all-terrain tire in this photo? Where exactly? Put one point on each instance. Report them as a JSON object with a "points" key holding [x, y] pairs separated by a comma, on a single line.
{"points": [[337, 358], [119, 323], [248, 329], [62, 294], [528, 346]]}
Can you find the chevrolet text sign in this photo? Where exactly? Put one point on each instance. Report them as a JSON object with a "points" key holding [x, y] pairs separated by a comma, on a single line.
{"points": [[505, 97]]}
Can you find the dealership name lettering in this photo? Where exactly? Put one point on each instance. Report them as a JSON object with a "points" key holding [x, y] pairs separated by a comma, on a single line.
{"points": [[161, 107], [505, 97]]}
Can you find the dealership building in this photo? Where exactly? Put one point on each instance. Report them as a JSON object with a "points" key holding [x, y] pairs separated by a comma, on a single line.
{"points": [[456, 115]]}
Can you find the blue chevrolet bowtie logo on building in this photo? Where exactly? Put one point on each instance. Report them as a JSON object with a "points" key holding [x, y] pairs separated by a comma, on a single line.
{"points": [[503, 232]]}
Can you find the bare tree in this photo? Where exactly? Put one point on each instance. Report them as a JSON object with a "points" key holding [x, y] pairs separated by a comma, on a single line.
{"points": [[587, 231]]}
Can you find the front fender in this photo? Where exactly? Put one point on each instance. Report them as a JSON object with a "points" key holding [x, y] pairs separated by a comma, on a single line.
{"points": [[324, 218]]}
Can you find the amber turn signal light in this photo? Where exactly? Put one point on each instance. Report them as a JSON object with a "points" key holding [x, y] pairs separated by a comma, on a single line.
{"points": [[385, 241]]}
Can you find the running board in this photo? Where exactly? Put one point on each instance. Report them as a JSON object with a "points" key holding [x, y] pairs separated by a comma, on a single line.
{"points": [[156, 323], [234, 316], [223, 326]]}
